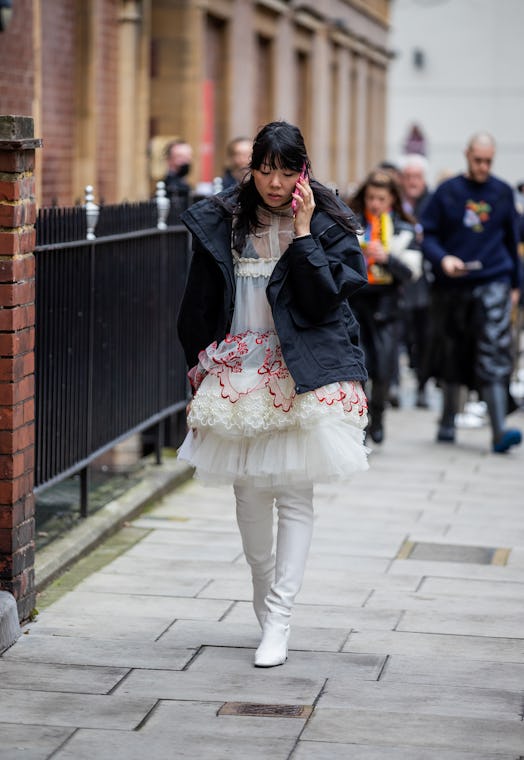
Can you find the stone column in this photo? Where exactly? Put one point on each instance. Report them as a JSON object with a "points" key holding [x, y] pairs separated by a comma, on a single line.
{"points": [[17, 331]]}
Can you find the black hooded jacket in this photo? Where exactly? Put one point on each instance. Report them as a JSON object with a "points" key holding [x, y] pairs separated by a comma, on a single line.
{"points": [[308, 292]]}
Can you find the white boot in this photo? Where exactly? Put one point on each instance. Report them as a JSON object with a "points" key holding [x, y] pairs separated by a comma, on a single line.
{"points": [[255, 521], [261, 587], [295, 528], [273, 647]]}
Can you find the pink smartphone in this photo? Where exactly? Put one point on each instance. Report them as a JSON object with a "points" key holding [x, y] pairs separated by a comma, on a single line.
{"points": [[303, 175]]}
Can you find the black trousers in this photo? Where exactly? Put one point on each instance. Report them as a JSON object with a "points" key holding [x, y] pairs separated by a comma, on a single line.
{"points": [[470, 335]]}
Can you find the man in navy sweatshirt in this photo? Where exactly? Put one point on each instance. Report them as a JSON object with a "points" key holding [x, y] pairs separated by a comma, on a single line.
{"points": [[470, 239]]}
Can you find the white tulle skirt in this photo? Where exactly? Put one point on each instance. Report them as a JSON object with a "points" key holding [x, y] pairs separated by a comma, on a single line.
{"points": [[248, 423]]}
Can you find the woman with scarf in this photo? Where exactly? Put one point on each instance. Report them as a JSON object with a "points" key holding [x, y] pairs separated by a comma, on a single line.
{"points": [[389, 245]]}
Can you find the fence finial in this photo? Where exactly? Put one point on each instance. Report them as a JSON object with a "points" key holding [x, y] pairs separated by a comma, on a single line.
{"points": [[92, 212], [163, 204]]}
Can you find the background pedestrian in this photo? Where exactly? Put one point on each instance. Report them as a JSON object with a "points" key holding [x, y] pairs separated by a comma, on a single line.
{"points": [[238, 156], [389, 245], [470, 238]]}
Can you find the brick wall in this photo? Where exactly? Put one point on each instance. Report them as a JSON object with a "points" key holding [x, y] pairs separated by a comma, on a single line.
{"points": [[58, 101], [107, 101], [17, 335], [60, 97], [16, 47]]}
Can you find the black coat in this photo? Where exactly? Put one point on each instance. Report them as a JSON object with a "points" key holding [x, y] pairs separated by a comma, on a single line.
{"points": [[308, 293], [377, 309]]}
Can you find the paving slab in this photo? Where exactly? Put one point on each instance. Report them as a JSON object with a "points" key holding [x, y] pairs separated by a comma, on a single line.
{"points": [[459, 605], [131, 629], [366, 544], [174, 716], [73, 650], [213, 527], [508, 626], [23, 742], [516, 558], [423, 698], [486, 535], [116, 745], [510, 572], [187, 633], [394, 729], [79, 710], [510, 590], [182, 550], [151, 566], [310, 750], [448, 671], [78, 604], [312, 592], [243, 684], [325, 616], [436, 645], [319, 665], [150, 584], [205, 539], [342, 561], [186, 729], [80, 679]]}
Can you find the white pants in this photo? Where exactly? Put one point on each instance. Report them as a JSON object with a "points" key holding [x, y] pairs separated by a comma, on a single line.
{"points": [[277, 577]]}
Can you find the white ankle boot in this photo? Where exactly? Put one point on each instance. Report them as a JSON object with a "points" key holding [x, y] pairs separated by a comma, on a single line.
{"points": [[273, 647]]}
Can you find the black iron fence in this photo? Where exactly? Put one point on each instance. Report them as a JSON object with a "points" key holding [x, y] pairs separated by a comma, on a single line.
{"points": [[108, 361]]}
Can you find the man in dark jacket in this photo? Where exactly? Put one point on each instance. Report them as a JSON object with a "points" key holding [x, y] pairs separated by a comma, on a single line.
{"points": [[179, 155], [238, 154], [470, 239]]}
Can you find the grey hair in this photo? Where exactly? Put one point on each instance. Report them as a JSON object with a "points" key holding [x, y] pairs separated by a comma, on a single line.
{"points": [[482, 139], [415, 161]]}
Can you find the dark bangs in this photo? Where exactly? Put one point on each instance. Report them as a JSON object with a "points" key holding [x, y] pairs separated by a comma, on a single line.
{"points": [[279, 145]]}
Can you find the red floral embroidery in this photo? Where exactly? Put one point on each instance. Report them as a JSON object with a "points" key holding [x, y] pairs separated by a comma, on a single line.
{"points": [[273, 374]]}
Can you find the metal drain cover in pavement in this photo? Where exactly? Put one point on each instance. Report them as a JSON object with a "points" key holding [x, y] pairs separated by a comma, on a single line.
{"points": [[266, 711], [479, 555]]}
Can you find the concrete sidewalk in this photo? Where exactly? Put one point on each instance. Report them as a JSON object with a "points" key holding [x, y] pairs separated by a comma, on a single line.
{"points": [[407, 640]]}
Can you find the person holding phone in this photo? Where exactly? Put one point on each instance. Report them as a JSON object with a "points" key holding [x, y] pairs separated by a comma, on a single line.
{"points": [[276, 368], [470, 239]]}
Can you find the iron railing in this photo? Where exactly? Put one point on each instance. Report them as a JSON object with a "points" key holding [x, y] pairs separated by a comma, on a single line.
{"points": [[107, 359]]}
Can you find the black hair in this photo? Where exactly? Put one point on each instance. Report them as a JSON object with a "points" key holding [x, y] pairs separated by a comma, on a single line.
{"points": [[279, 145]]}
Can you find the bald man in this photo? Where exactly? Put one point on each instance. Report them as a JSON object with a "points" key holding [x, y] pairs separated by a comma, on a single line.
{"points": [[470, 239]]}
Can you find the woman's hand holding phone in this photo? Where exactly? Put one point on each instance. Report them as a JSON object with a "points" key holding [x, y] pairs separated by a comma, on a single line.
{"points": [[303, 203], [301, 178]]}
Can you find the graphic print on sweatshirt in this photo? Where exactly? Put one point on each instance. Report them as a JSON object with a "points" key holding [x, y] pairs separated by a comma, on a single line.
{"points": [[476, 214]]}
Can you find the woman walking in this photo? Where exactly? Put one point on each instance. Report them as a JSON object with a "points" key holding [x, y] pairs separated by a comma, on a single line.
{"points": [[389, 244], [275, 365]]}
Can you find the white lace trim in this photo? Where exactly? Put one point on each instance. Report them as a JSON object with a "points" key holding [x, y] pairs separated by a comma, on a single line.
{"points": [[254, 267], [256, 412]]}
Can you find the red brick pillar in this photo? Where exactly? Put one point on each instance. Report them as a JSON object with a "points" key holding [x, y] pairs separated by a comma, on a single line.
{"points": [[17, 332]]}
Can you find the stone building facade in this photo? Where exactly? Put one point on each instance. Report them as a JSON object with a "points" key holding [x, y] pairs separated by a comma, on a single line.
{"points": [[108, 82]]}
